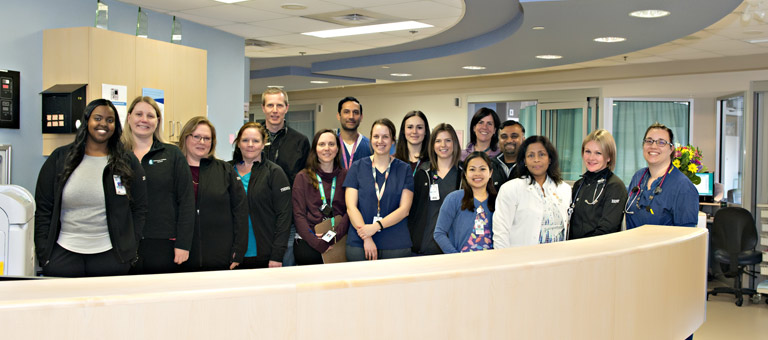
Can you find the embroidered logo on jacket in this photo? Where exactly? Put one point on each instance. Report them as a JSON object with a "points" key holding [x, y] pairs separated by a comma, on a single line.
{"points": [[156, 161]]}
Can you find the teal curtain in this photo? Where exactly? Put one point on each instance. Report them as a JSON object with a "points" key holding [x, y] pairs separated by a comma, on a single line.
{"points": [[568, 142], [632, 118], [528, 120]]}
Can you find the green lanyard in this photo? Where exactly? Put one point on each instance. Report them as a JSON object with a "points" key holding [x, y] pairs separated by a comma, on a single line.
{"points": [[322, 196]]}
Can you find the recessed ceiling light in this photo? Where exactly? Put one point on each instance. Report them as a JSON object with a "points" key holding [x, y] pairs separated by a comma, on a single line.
{"points": [[277, 86], [610, 39], [649, 13], [385, 67], [549, 56], [343, 32], [230, 1], [400, 74], [757, 41], [319, 82], [537, 28], [293, 6], [474, 67]]}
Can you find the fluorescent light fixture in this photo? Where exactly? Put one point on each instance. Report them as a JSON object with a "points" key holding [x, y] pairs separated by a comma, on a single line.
{"points": [[230, 1], [549, 56], [318, 82], [400, 74], [343, 32], [474, 67], [757, 41], [277, 86], [537, 28], [649, 13], [610, 39]]}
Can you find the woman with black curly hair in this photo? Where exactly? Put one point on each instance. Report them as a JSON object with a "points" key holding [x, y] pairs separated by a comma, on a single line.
{"points": [[85, 227]]}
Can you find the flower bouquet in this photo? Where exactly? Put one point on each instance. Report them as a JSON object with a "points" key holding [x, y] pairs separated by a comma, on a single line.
{"points": [[688, 161]]}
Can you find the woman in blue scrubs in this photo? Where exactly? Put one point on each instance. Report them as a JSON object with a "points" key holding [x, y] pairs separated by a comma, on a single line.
{"points": [[660, 194]]}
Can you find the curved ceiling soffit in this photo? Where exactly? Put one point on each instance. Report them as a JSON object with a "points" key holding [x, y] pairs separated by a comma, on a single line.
{"points": [[507, 17], [467, 45]]}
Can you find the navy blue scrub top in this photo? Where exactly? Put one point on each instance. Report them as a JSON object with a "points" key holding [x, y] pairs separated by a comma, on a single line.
{"points": [[400, 177], [676, 205]]}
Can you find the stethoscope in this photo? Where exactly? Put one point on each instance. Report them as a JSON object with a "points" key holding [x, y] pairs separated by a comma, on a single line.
{"points": [[595, 195], [638, 189]]}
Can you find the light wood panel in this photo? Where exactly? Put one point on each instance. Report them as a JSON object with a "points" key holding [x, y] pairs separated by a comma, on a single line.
{"points": [[646, 283], [88, 55], [189, 85], [154, 69]]}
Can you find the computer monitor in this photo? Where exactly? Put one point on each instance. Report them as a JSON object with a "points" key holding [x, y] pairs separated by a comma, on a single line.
{"points": [[707, 186]]}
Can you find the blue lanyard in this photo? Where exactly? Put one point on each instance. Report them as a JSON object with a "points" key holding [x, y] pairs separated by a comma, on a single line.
{"points": [[322, 196]]}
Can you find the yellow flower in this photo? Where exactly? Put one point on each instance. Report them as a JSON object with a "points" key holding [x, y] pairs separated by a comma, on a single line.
{"points": [[676, 163], [692, 168], [686, 151]]}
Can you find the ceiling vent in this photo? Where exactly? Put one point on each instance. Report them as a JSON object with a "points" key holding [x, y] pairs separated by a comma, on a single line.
{"points": [[259, 43], [354, 17]]}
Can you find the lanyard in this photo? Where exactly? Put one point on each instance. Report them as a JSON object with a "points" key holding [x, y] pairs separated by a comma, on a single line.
{"points": [[417, 167], [639, 190], [322, 196], [348, 164], [379, 192]]}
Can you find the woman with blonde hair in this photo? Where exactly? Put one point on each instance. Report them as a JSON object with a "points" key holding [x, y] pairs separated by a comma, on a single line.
{"points": [[598, 198], [170, 195]]}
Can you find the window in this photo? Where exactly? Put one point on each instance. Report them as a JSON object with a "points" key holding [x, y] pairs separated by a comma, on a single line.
{"points": [[632, 118]]}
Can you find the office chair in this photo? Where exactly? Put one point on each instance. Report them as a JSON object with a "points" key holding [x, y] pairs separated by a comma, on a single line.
{"points": [[734, 238]]}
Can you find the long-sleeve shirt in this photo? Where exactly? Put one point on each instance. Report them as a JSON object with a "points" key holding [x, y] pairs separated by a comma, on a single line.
{"points": [[307, 203], [454, 225]]}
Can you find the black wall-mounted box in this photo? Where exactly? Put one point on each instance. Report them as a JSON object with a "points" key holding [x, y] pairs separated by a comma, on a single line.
{"points": [[9, 99], [63, 106]]}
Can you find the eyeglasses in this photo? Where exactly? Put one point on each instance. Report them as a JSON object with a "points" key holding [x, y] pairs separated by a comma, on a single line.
{"points": [[660, 142], [199, 138]]}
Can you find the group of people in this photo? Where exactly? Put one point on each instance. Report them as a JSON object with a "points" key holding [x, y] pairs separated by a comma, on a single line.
{"points": [[163, 208]]}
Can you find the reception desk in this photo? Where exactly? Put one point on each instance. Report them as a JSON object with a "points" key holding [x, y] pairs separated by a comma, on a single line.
{"points": [[646, 283]]}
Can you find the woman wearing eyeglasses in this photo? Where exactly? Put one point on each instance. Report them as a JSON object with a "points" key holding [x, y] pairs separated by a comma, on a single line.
{"points": [[597, 203], [660, 194], [221, 211]]}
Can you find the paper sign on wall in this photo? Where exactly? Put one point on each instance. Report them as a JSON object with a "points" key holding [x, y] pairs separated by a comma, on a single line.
{"points": [[118, 94]]}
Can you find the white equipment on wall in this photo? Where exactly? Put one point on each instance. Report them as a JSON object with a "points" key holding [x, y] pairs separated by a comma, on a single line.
{"points": [[17, 251]]}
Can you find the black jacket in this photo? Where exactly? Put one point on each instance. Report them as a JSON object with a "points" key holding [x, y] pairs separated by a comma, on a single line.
{"points": [[171, 195], [500, 176], [125, 219], [270, 209], [221, 221], [600, 218], [289, 150], [418, 217]]}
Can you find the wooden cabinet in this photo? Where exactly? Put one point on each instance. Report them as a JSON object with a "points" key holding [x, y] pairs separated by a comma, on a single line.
{"points": [[88, 55]]}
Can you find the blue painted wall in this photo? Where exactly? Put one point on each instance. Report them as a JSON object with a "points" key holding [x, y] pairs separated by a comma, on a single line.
{"points": [[21, 49]]}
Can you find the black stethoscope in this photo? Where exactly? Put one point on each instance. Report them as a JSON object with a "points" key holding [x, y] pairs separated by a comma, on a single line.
{"points": [[638, 189], [595, 195]]}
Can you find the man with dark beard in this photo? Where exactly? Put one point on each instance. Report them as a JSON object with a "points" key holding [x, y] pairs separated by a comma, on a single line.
{"points": [[511, 135], [356, 145]]}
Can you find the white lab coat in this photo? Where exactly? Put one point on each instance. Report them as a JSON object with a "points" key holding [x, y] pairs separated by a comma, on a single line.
{"points": [[519, 211]]}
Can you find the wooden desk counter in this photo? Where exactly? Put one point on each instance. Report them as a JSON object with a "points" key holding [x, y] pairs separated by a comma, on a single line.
{"points": [[646, 283]]}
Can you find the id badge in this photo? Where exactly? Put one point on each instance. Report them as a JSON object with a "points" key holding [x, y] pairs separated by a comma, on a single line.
{"points": [[329, 236], [479, 228], [119, 187], [434, 192], [376, 218]]}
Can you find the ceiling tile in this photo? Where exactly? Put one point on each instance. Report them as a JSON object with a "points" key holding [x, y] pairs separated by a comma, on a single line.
{"points": [[297, 24], [166, 6], [452, 3], [235, 13], [249, 31], [418, 10], [716, 45], [365, 3], [313, 6], [201, 19], [756, 49], [294, 51], [693, 55], [338, 47], [297, 39]]}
